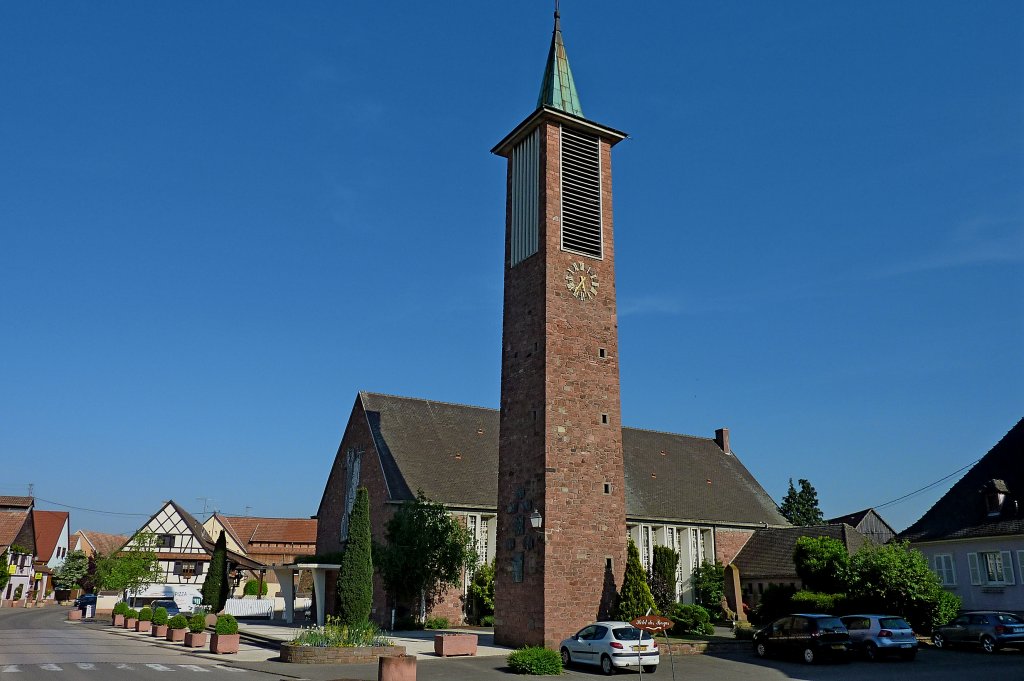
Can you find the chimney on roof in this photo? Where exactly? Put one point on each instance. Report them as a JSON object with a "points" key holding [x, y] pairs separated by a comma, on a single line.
{"points": [[722, 439]]}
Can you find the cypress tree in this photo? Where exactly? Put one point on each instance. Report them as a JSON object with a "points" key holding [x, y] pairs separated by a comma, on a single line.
{"points": [[355, 577], [635, 597], [215, 587]]}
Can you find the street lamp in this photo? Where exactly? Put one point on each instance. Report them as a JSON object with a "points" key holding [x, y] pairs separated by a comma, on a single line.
{"points": [[536, 519]]}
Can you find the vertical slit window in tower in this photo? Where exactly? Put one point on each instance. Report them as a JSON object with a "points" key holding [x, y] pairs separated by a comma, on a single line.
{"points": [[525, 199], [581, 193]]}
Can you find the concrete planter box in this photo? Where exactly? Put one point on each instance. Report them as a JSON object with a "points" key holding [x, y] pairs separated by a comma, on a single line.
{"points": [[447, 645], [195, 640], [143, 626], [176, 635], [397, 668], [74, 614], [117, 620], [159, 631], [224, 644], [361, 655], [130, 622]]}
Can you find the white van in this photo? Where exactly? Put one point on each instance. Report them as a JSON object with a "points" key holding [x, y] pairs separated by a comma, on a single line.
{"points": [[187, 598]]}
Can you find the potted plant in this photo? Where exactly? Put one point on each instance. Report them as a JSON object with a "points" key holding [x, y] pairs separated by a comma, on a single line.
{"points": [[177, 626], [131, 616], [196, 636], [145, 622], [225, 637], [117, 614], [160, 622]]}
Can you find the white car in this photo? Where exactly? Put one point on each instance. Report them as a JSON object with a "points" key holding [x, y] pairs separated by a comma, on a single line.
{"points": [[611, 645]]}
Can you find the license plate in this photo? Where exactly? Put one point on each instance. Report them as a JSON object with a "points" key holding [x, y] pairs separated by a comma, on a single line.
{"points": [[906, 645], [838, 646], [639, 647]]}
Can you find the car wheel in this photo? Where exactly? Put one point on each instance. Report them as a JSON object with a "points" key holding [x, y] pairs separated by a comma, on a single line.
{"points": [[808, 655], [607, 668], [566, 658], [761, 649], [939, 641], [988, 644], [650, 668], [871, 651]]}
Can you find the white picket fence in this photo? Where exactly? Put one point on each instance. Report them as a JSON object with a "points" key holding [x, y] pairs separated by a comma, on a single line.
{"points": [[249, 607]]}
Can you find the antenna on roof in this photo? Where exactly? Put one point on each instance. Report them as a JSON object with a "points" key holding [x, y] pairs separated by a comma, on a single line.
{"points": [[205, 500], [247, 509], [31, 488]]}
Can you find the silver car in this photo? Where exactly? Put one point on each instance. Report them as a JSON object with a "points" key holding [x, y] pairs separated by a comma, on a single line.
{"points": [[611, 645], [878, 635]]}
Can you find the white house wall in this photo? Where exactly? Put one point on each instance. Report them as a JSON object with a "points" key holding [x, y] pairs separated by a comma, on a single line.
{"points": [[977, 590]]}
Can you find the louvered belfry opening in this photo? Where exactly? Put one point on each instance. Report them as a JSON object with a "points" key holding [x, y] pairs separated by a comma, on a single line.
{"points": [[525, 199], [581, 193]]}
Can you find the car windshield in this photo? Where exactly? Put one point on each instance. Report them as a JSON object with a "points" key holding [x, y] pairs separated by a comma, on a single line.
{"points": [[630, 634], [1007, 618], [893, 623], [831, 625]]}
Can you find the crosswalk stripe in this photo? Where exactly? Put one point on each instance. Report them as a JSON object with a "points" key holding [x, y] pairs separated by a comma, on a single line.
{"points": [[193, 668], [85, 665], [51, 667], [230, 669], [126, 666], [159, 668], [9, 669]]}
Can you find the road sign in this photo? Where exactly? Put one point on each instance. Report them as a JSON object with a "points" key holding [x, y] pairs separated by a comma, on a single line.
{"points": [[653, 623]]}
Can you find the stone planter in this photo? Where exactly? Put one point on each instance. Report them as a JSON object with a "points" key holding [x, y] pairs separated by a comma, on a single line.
{"points": [[195, 640], [143, 626], [446, 645], [224, 644], [362, 655], [176, 635], [117, 620], [130, 622], [159, 631], [75, 614], [397, 668]]}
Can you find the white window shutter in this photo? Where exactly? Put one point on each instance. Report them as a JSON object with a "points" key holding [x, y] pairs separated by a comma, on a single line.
{"points": [[1008, 568], [972, 563], [952, 570], [1020, 565]]}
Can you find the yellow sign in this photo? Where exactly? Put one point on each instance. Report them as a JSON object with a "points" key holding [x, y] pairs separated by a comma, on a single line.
{"points": [[12, 569], [39, 575]]}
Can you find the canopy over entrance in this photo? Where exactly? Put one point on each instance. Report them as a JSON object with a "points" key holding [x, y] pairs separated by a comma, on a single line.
{"points": [[286, 578]]}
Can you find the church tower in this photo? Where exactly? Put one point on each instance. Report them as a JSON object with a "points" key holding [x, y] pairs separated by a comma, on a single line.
{"points": [[561, 531]]}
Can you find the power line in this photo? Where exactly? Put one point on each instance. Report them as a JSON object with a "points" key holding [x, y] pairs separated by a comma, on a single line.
{"points": [[91, 510], [928, 486]]}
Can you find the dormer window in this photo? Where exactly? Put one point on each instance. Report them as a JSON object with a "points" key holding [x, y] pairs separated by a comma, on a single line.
{"points": [[995, 494]]}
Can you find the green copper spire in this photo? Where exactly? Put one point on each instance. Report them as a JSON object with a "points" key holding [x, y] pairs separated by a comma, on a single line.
{"points": [[557, 89]]}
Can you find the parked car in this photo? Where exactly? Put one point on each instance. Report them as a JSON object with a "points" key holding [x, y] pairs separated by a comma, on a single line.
{"points": [[172, 607], [812, 636], [990, 629], [84, 600], [611, 645], [879, 635]]}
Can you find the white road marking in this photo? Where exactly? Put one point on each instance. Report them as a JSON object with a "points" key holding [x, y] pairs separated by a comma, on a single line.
{"points": [[125, 666], [230, 669], [86, 665], [9, 669], [51, 667], [193, 668], [159, 668]]}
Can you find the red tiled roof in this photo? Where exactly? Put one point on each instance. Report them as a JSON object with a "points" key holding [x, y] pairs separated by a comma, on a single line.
{"points": [[16, 502], [104, 544], [252, 530], [48, 526], [11, 523]]}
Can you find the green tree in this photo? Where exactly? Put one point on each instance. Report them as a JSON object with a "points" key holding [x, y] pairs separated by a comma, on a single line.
{"points": [[822, 564], [895, 578], [635, 597], [425, 551], [709, 587], [662, 577], [5, 576], [131, 569], [215, 586], [71, 571], [355, 578], [801, 508], [481, 590]]}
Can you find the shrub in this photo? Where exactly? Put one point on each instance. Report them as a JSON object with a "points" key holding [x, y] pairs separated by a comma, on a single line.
{"points": [[131, 614], [743, 631], [691, 619], [252, 586], [197, 622], [709, 587], [160, 616], [812, 601], [946, 609], [662, 577], [481, 591], [635, 597], [120, 608], [215, 586], [226, 624], [335, 634], [821, 563], [179, 621], [774, 603], [354, 595], [146, 614], [535, 661], [407, 623], [437, 623], [18, 591], [487, 621]]}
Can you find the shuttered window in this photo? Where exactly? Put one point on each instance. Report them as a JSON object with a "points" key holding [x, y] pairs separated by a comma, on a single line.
{"points": [[525, 208], [581, 193]]}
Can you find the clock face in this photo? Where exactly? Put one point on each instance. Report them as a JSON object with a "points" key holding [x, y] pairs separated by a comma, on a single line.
{"points": [[581, 280]]}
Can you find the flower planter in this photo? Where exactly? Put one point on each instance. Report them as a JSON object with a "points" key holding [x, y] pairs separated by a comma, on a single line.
{"points": [[143, 626], [75, 614], [159, 631], [195, 640], [397, 668], [176, 635], [224, 644], [447, 645], [117, 620], [347, 655], [129, 622]]}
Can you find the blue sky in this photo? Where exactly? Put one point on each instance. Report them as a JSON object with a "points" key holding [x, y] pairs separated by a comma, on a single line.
{"points": [[220, 221]]}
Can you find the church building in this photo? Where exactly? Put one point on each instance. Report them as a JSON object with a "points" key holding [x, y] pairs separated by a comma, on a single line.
{"points": [[551, 484]]}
